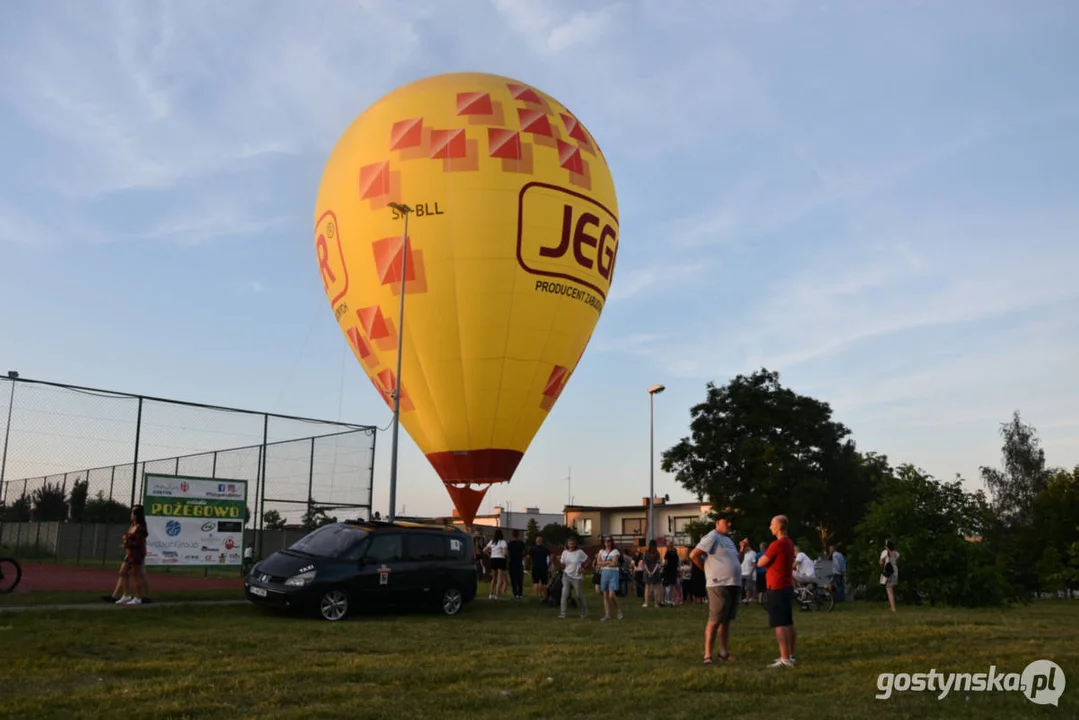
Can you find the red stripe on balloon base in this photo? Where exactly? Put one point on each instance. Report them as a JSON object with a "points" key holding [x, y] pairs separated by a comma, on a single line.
{"points": [[475, 466]]}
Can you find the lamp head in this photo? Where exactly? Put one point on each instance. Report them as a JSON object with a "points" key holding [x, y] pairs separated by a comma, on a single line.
{"points": [[13, 375], [403, 209], [656, 389]]}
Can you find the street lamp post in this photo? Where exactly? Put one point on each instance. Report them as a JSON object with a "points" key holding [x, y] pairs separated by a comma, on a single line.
{"points": [[652, 392], [13, 376], [405, 210]]}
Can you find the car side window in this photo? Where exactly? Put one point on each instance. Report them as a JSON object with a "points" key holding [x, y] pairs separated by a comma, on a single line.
{"points": [[425, 547], [353, 553], [384, 548]]}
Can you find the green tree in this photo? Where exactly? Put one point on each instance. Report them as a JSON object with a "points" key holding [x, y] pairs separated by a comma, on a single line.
{"points": [[762, 449], [79, 492], [1071, 571], [272, 520], [316, 517], [696, 529], [1051, 570], [1034, 507], [18, 511], [556, 534], [532, 531], [937, 529], [102, 510], [1053, 529], [1014, 488], [49, 503]]}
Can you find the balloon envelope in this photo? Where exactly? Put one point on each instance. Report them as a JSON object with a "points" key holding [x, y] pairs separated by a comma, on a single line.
{"points": [[513, 237]]}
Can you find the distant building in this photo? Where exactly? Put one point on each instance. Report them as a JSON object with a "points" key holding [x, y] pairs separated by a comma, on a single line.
{"points": [[629, 523], [510, 520]]}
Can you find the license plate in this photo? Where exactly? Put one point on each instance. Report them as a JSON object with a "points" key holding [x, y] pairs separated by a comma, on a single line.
{"points": [[258, 591]]}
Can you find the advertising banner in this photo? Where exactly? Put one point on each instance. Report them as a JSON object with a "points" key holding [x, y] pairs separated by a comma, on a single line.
{"points": [[194, 522]]}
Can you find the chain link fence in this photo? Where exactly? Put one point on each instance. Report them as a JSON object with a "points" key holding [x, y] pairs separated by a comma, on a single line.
{"points": [[73, 462]]}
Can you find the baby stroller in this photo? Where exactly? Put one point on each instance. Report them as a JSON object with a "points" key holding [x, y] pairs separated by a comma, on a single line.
{"points": [[554, 591]]}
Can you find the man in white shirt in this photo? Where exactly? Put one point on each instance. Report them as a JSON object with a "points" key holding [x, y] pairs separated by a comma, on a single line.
{"points": [[717, 555], [804, 572], [573, 561]]}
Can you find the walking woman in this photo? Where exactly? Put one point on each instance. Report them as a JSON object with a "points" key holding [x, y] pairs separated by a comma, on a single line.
{"points": [[133, 571], [608, 560], [889, 570], [497, 549]]}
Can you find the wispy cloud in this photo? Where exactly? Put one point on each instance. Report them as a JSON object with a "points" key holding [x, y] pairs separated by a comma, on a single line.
{"points": [[648, 278], [635, 343]]}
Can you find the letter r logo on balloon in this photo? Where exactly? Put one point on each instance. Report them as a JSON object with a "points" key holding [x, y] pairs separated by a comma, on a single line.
{"points": [[331, 257]]}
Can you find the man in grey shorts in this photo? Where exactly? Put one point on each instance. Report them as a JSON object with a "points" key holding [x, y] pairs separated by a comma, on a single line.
{"points": [[717, 555]]}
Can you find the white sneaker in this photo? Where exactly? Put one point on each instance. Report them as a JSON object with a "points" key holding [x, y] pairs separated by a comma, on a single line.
{"points": [[134, 601], [780, 662], [123, 600]]}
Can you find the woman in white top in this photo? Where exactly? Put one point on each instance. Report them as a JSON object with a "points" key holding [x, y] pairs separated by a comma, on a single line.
{"points": [[749, 572], [889, 580], [497, 549], [608, 560]]}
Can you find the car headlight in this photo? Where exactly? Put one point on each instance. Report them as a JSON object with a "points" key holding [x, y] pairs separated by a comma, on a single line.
{"points": [[302, 579]]}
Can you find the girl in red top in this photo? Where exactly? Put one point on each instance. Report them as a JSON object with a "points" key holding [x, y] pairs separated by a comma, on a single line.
{"points": [[134, 567]]}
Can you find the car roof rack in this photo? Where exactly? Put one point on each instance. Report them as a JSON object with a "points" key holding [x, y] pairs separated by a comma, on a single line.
{"points": [[404, 523]]}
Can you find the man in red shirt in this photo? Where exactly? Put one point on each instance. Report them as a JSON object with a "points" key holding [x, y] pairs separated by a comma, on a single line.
{"points": [[779, 561]]}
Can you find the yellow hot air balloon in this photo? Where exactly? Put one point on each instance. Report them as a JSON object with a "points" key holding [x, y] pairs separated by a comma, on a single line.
{"points": [[512, 244]]}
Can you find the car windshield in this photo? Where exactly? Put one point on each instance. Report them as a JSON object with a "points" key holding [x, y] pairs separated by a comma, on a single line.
{"points": [[329, 541]]}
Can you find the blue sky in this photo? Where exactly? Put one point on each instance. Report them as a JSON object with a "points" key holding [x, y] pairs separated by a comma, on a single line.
{"points": [[877, 199]]}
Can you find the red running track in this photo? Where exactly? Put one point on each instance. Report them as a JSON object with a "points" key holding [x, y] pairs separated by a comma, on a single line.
{"points": [[42, 577]]}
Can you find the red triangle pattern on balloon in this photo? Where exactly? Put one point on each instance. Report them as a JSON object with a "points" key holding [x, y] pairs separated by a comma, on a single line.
{"points": [[467, 500]]}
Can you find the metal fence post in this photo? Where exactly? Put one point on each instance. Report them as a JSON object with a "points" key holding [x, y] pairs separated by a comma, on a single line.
{"points": [[311, 479], [262, 477], [138, 440], [3, 459], [371, 476]]}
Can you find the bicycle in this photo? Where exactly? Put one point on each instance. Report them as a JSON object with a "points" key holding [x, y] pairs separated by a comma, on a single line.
{"points": [[10, 574], [814, 597]]}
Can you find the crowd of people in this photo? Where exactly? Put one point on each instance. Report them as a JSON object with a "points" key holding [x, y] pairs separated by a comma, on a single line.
{"points": [[715, 571]]}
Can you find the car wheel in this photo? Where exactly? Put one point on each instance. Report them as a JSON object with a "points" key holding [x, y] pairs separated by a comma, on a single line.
{"points": [[333, 605], [452, 601]]}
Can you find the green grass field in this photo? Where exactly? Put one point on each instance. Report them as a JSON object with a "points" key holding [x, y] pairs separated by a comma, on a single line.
{"points": [[516, 659]]}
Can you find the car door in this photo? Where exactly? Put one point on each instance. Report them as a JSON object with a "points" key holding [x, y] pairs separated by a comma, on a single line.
{"points": [[378, 581], [423, 572]]}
